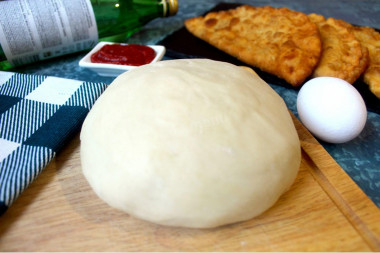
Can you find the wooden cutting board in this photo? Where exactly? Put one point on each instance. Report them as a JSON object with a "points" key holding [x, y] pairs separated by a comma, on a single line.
{"points": [[323, 211]]}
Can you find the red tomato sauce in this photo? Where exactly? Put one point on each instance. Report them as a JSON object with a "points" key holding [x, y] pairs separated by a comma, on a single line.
{"points": [[132, 55]]}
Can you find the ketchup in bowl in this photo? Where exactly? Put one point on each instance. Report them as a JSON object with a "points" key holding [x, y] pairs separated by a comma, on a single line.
{"points": [[132, 54]]}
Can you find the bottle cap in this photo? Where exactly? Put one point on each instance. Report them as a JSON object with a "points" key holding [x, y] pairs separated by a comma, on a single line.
{"points": [[172, 7]]}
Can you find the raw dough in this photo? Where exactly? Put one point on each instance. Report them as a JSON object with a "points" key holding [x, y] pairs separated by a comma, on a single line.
{"points": [[192, 143]]}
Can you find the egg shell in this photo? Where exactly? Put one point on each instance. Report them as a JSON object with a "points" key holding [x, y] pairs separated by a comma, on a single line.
{"points": [[331, 109]]}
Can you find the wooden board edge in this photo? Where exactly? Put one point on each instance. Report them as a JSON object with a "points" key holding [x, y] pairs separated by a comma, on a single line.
{"points": [[354, 204]]}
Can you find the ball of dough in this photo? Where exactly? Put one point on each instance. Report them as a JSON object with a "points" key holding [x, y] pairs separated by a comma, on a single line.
{"points": [[190, 143]]}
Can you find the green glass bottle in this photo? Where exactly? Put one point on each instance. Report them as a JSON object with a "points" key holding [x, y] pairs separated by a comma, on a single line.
{"points": [[35, 30]]}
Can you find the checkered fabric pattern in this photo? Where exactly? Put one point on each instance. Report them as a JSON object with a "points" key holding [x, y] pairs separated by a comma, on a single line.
{"points": [[38, 114]]}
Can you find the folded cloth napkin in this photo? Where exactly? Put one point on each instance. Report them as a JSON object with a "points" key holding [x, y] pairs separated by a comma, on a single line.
{"points": [[38, 115]]}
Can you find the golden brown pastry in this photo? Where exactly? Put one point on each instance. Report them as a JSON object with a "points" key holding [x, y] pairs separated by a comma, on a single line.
{"points": [[370, 39], [343, 56], [279, 41]]}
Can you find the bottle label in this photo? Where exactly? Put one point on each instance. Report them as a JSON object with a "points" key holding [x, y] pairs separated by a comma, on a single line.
{"points": [[33, 30]]}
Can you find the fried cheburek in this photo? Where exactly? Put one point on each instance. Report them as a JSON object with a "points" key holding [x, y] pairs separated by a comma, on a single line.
{"points": [[343, 56], [279, 41], [370, 39]]}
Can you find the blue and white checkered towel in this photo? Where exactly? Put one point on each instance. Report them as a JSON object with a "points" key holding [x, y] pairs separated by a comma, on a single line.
{"points": [[38, 114]]}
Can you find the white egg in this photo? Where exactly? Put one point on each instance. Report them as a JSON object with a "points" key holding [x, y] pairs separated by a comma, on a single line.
{"points": [[331, 109]]}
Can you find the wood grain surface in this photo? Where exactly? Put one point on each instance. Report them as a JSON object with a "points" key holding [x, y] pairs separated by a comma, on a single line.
{"points": [[323, 211]]}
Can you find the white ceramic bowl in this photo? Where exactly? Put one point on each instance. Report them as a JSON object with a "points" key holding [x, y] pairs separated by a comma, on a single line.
{"points": [[108, 69]]}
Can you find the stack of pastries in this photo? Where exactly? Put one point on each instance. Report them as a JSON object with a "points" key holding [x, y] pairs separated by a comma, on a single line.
{"points": [[293, 45]]}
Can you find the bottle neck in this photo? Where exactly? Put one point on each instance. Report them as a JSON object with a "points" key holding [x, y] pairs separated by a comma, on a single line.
{"points": [[167, 7], [124, 17]]}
